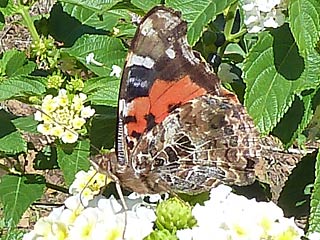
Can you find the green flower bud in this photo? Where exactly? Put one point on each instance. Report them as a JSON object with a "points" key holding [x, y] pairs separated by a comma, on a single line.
{"points": [[45, 51], [161, 234], [55, 81], [174, 215], [35, 100], [75, 84]]}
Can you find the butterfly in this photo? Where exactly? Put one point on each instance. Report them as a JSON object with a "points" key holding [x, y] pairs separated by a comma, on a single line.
{"points": [[179, 129]]}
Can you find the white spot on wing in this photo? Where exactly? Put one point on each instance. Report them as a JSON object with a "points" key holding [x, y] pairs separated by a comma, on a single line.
{"points": [[146, 62], [171, 21], [170, 53], [123, 110], [147, 28], [136, 60]]}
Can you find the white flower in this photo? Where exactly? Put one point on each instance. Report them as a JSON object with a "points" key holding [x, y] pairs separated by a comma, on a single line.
{"points": [[83, 227], [286, 229], [78, 122], [73, 208], [99, 218], [77, 103], [87, 185], [139, 219], [274, 19], [90, 60], [45, 128], [267, 5], [62, 98], [138, 227], [116, 31], [57, 131], [259, 14], [314, 236], [87, 112], [116, 71], [38, 116], [46, 228], [49, 104], [201, 233], [229, 216], [69, 136]]}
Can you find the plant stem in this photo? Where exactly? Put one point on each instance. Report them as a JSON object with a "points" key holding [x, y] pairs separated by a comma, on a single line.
{"points": [[24, 11], [230, 17], [56, 187], [237, 35]]}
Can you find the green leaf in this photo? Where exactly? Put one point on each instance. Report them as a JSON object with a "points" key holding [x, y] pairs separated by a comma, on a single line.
{"points": [[94, 5], [8, 8], [103, 127], [304, 21], [17, 193], [314, 218], [2, 21], [27, 124], [145, 5], [72, 159], [126, 30], [107, 51], [96, 14], [13, 143], [307, 116], [271, 80], [14, 63], [21, 86], [198, 13], [103, 91], [288, 128]]}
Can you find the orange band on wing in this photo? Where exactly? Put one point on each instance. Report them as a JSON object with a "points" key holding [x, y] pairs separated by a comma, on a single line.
{"points": [[139, 109], [164, 94]]}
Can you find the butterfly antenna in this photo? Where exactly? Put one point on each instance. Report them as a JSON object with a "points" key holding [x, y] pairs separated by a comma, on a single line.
{"points": [[87, 184], [106, 169], [125, 207]]}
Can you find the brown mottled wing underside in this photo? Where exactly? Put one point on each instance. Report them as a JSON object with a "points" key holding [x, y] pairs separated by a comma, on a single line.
{"points": [[178, 129], [204, 142], [278, 164]]}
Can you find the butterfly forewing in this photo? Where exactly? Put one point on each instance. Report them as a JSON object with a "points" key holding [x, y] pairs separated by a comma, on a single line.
{"points": [[161, 73]]}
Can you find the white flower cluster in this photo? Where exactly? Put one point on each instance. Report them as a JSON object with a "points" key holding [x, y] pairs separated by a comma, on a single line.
{"points": [[102, 219], [228, 216], [225, 216], [261, 14], [88, 184], [62, 116], [99, 218]]}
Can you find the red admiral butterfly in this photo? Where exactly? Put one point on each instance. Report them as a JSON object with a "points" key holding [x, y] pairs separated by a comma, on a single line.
{"points": [[178, 129]]}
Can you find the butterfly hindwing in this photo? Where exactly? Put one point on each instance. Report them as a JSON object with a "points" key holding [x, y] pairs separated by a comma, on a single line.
{"points": [[202, 143]]}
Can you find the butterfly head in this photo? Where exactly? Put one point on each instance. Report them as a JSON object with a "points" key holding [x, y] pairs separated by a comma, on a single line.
{"points": [[103, 163]]}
